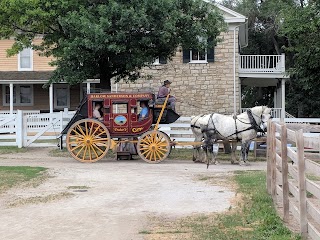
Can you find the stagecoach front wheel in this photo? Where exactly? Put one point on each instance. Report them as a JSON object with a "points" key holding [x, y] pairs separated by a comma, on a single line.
{"points": [[153, 146], [88, 140]]}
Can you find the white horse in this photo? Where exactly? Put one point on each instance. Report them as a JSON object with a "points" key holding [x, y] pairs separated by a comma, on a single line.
{"points": [[243, 127], [197, 156]]}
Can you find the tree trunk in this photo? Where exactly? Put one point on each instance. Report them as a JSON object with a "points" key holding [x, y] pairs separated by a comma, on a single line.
{"points": [[105, 76], [276, 44]]}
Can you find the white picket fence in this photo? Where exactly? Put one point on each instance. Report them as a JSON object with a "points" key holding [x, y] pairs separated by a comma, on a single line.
{"points": [[34, 129], [26, 129]]}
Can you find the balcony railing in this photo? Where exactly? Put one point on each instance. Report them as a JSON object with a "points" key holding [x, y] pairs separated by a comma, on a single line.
{"points": [[262, 63], [275, 112]]}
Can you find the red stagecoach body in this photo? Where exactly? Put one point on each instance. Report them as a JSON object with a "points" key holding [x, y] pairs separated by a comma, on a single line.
{"points": [[88, 139], [120, 112]]}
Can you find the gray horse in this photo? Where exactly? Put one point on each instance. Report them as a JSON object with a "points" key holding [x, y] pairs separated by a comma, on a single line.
{"points": [[244, 127]]}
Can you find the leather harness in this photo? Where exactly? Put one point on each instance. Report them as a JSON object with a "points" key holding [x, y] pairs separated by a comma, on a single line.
{"points": [[253, 126]]}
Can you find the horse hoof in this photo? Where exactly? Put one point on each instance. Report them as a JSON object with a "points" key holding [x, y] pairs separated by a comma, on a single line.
{"points": [[197, 161], [243, 163], [216, 163]]}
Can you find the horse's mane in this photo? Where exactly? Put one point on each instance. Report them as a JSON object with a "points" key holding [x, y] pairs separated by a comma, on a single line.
{"points": [[257, 110]]}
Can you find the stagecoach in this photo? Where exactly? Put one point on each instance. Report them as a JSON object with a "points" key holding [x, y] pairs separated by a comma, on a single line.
{"points": [[89, 139]]}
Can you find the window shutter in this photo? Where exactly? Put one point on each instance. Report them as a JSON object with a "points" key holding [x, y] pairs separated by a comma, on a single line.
{"points": [[210, 56], [210, 51], [162, 60], [186, 55]]}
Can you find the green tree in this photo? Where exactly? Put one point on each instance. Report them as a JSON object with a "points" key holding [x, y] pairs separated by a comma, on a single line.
{"points": [[113, 39], [301, 27], [264, 22]]}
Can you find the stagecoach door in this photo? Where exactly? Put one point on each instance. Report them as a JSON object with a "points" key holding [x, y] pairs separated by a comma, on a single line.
{"points": [[119, 119]]}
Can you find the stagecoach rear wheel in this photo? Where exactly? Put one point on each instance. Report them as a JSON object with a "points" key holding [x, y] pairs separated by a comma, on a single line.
{"points": [[153, 146], [88, 140]]}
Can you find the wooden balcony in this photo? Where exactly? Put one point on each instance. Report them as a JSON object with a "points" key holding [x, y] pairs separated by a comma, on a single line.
{"points": [[262, 66]]}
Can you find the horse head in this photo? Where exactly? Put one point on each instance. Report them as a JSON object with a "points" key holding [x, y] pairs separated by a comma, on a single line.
{"points": [[263, 114]]}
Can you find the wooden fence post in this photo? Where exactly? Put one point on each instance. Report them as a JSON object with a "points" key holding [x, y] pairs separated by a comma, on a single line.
{"points": [[269, 157], [284, 171], [273, 162], [302, 185], [25, 130]]}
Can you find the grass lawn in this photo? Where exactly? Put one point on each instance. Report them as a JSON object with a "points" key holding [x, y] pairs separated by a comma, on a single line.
{"points": [[14, 176], [255, 217], [176, 154], [11, 149]]}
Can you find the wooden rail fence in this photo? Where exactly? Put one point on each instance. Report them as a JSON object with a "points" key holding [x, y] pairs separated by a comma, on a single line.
{"points": [[291, 177]]}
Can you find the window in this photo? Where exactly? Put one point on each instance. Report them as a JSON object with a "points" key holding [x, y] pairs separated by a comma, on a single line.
{"points": [[22, 95], [25, 60], [159, 60], [199, 56], [120, 108], [156, 61], [61, 96]]}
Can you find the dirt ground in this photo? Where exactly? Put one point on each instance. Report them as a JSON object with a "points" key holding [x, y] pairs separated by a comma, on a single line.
{"points": [[109, 199]]}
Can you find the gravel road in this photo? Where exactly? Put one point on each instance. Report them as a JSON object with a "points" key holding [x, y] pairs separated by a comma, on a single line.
{"points": [[115, 198]]}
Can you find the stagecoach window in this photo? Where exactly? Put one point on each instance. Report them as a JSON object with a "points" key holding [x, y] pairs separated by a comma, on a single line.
{"points": [[120, 107]]}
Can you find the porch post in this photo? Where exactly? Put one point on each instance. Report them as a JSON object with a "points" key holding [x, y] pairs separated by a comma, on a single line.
{"points": [[51, 98], [275, 98], [51, 101], [283, 98], [11, 98], [240, 105], [88, 88], [279, 98], [234, 72]]}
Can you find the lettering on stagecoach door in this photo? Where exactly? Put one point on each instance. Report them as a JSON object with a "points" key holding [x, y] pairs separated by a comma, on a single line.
{"points": [[120, 129], [135, 130]]}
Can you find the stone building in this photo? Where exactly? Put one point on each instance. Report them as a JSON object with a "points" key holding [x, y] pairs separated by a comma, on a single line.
{"points": [[200, 86]]}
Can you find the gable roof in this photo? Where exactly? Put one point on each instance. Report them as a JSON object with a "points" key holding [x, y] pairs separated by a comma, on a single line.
{"points": [[229, 15]]}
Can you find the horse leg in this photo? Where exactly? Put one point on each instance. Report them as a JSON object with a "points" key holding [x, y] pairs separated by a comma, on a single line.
{"points": [[233, 152], [214, 152], [247, 152], [206, 154], [195, 153], [244, 153]]}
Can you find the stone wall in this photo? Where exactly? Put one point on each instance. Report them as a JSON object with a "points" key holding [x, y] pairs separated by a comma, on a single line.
{"points": [[198, 87]]}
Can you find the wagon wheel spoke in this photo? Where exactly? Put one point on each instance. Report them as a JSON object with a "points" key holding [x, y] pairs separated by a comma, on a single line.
{"points": [[96, 147], [79, 138], [81, 131], [79, 135], [86, 127], [76, 147], [94, 151]]}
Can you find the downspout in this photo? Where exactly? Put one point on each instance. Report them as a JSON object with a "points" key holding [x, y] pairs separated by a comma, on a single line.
{"points": [[234, 73]]}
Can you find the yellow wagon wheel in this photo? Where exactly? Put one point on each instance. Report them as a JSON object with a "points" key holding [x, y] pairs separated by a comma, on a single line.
{"points": [[153, 146], [88, 140]]}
